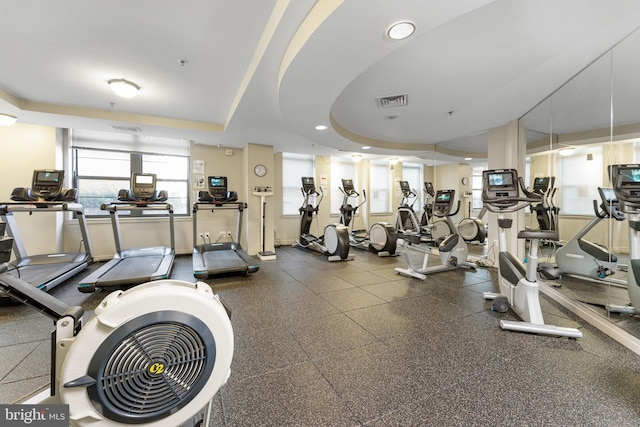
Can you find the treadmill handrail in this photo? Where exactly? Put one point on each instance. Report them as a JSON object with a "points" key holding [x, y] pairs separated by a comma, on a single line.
{"points": [[128, 206], [220, 205], [114, 207], [40, 207]]}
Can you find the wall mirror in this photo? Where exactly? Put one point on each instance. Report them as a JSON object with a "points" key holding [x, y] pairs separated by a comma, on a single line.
{"points": [[573, 136]]}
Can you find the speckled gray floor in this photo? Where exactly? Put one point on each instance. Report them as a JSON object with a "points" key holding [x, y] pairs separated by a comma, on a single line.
{"points": [[354, 343]]}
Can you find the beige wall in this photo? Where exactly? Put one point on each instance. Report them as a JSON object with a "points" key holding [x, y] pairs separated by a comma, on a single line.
{"points": [[26, 148]]}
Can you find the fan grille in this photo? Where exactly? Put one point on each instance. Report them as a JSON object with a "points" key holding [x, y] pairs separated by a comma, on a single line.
{"points": [[151, 367]]}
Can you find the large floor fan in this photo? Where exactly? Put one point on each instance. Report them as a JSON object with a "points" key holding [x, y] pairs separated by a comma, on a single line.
{"points": [[153, 355]]}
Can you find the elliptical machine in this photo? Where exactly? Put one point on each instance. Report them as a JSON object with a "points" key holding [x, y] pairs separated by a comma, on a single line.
{"points": [[626, 184], [334, 243], [580, 257], [517, 282], [380, 239], [453, 250]]}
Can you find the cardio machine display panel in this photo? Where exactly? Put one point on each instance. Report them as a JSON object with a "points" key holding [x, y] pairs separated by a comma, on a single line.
{"points": [[347, 185], [626, 181], [47, 182], [143, 184], [218, 187], [308, 184]]}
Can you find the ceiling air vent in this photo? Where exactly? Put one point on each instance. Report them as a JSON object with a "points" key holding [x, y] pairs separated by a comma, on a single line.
{"points": [[392, 101], [127, 129]]}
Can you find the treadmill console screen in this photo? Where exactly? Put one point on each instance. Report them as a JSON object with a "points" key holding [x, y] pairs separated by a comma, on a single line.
{"points": [[143, 185], [218, 187], [308, 185], [47, 183]]}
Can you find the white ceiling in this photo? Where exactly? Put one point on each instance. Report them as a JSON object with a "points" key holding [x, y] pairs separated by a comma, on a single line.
{"points": [[268, 71]]}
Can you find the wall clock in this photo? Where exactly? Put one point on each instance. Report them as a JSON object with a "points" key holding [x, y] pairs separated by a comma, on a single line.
{"points": [[260, 170], [465, 180]]}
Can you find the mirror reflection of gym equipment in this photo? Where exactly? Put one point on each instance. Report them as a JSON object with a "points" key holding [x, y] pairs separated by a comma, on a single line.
{"points": [[582, 258], [453, 250], [518, 285], [379, 239], [626, 184], [334, 242]]}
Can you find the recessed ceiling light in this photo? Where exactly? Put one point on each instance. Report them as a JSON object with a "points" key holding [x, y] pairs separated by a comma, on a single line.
{"points": [[7, 119], [401, 30], [468, 158], [321, 127], [366, 147], [124, 88]]}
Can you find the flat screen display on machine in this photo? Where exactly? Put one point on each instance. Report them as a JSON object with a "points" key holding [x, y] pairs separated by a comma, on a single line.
{"points": [[347, 184], [501, 179], [443, 197], [607, 194], [541, 184], [143, 180], [218, 182], [630, 176], [308, 183], [404, 186], [47, 177]]}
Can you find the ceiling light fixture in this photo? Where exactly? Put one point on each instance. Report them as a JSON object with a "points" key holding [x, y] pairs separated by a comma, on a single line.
{"points": [[321, 127], [567, 151], [124, 88], [366, 147], [393, 160], [356, 157], [401, 30], [7, 119]]}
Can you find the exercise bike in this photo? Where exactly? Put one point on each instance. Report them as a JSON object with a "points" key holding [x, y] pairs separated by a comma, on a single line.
{"points": [[334, 243], [580, 257], [518, 286], [453, 250], [380, 239], [626, 184], [154, 355]]}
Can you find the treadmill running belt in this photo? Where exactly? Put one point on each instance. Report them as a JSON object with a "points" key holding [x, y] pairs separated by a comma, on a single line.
{"points": [[39, 275], [131, 271], [224, 261]]}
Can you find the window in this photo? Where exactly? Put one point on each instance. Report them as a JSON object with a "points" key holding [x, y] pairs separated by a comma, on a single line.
{"points": [[476, 187], [379, 185], [103, 165], [294, 167], [342, 168], [412, 172], [578, 187]]}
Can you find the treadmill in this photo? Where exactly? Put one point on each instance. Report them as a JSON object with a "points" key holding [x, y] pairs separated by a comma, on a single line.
{"points": [[130, 267], [46, 195], [210, 259]]}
